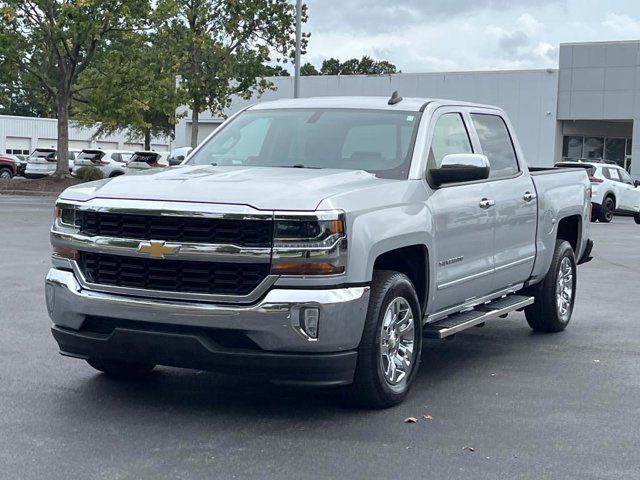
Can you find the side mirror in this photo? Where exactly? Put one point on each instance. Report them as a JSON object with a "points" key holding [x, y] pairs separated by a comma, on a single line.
{"points": [[636, 183], [461, 167]]}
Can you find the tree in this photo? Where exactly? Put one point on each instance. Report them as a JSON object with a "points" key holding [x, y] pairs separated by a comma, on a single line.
{"points": [[222, 47], [53, 42], [275, 71], [365, 66], [308, 70], [131, 86]]}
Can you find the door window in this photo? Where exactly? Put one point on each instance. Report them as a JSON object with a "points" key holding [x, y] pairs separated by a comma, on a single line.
{"points": [[496, 145], [625, 177], [449, 136]]}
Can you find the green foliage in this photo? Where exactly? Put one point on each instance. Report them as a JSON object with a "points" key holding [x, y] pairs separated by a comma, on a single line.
{"points": [[275, 71], [52, 43], [132, 86], [365, 66], [89, 174], [308, 70], [222, 46]]}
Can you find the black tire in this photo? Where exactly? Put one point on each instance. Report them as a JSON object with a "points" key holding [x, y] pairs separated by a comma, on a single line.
{"points": [[636, 217], [120, 369], [544, 315], [607, 209], [370, 388], [6, 173]]}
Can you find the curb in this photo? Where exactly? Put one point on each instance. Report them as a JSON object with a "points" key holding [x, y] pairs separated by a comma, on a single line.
{"points": [[29, 193]]}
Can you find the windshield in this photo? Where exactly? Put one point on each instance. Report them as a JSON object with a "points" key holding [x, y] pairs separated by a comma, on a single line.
{"points": [[377, 141], [43, 153]]}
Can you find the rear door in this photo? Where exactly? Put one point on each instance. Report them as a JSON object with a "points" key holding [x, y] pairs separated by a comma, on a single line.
{"points": [[463, 229], [516, 207]]}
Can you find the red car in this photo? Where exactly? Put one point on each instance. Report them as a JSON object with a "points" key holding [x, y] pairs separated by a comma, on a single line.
{"points": [[7, 167]]}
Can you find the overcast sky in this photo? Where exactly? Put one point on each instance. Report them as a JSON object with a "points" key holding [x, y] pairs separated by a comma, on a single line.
{"points": [[450, 35]]}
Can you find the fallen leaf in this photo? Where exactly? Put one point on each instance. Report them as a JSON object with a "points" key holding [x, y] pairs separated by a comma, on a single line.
{"points": [[471, 449], [427, 417], [411, 420]]}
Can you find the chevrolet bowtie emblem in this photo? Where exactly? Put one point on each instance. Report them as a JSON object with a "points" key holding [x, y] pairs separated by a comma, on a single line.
{"points": [[157, 249]]}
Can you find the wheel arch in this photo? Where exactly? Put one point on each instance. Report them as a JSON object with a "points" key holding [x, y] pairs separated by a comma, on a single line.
{"points": [[413, 261]]}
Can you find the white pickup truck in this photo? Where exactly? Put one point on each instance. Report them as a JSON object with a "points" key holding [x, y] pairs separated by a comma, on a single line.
{"points": [[316, 242]]}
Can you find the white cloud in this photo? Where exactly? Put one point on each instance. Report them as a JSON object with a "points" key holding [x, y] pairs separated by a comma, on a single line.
{"points": [[447, 35]]}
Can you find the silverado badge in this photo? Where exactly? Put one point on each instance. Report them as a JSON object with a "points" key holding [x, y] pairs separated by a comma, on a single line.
{"points": [[158, 249]]}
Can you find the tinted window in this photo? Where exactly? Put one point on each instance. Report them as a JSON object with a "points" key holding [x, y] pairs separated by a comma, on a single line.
{"points": [[593, 147], [449, 136], [375, 141], [496, 144]]}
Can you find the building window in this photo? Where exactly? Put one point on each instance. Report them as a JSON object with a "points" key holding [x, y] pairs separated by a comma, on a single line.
{"points": [[16, 151], [572, 147], [598, 149], [593, 148]]}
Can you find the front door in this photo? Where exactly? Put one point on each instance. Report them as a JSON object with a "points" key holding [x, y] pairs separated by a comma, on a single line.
{"points": [[463, 224]]}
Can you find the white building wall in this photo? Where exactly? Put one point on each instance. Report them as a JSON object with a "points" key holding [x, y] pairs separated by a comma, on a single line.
{"points": [[529, 97], [17, 132]]}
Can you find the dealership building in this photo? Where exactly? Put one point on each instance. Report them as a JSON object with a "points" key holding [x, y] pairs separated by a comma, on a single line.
{"points": [[587, 108]]}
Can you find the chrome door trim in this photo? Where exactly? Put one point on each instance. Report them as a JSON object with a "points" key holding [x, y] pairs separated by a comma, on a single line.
{"points": [[515, 263], [205, 252], [468, 278], [468, 304], [260, 290]]}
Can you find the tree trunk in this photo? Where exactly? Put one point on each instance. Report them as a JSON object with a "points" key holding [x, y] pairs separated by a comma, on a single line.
{"points": [[147, 139], [194, 126], [62, 107]]}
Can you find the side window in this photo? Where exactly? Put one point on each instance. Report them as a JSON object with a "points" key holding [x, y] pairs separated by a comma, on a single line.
{"points": [[626, 178], [449, 136], [613, 174], [606, 174], [496, 144]]}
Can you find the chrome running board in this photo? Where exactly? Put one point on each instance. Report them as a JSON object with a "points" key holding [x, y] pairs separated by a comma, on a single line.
{"points": [[461, 321]]}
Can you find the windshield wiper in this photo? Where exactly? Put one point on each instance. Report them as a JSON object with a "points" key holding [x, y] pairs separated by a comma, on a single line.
{"points": [[296, 165]]}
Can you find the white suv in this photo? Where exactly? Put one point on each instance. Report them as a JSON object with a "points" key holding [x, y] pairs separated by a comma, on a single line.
{"points": [[613, 190], [42, 162], [110, 162]]}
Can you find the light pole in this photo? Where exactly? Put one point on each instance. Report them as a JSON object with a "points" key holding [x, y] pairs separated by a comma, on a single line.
{"points": [[296, 80]]}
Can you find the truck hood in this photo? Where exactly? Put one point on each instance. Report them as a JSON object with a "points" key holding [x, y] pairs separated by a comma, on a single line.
{"points": [[263, 188]]}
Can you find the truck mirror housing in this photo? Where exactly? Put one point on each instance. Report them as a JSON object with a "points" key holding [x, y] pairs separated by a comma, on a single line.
{"points": [[461, 167], [636, 183]]}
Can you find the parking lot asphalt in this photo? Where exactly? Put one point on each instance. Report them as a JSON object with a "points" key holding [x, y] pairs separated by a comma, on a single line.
{"points": [[505, 402]]}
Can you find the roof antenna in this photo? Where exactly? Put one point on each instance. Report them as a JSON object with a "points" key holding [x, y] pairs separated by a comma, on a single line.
{"points": [[395, 98]]}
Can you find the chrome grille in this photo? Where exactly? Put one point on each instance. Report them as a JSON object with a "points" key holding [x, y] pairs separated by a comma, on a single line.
{"points": [[244, 232]]}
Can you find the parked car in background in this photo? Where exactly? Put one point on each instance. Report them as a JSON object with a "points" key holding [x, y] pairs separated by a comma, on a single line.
{"points": [[613, 190], [42, 162], [110, 162], [146, 159], [20, 161], [8, 167], [179, 155]]}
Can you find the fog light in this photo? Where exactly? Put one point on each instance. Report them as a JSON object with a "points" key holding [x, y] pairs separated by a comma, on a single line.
{"points": [[309, 321]]}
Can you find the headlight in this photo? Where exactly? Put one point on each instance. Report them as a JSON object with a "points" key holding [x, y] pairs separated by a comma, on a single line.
{"points": [[65, 220], [313, 244]]}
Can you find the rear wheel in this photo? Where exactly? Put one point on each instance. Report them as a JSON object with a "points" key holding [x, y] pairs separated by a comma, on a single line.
{"points": [[636, 217], [120, 369], [389, 352], [607, 209], [555, 295], [5, 173]]}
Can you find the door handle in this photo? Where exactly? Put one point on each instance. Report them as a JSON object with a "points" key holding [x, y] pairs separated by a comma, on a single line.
{"points": [[486, 203], [527, 197]]}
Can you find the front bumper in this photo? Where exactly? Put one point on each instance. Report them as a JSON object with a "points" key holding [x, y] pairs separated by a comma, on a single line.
{"points": [[178, 333]]}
